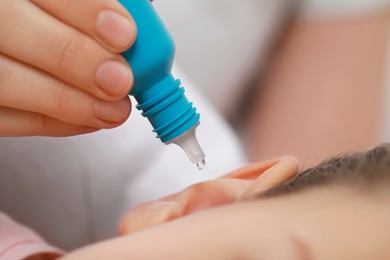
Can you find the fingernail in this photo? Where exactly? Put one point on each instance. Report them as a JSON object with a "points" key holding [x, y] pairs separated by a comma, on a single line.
{"points": [[112, 112], [114, 78], [114, 29]]}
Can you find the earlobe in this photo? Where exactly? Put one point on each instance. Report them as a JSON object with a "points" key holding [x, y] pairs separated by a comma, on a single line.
{"points": [[286, 168]]}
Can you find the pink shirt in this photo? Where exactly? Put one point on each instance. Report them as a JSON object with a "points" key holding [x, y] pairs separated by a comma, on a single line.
{"points": [[19, 242]]}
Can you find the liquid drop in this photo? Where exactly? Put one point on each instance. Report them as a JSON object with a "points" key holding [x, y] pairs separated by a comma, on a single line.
{"points": [[200, 165]]}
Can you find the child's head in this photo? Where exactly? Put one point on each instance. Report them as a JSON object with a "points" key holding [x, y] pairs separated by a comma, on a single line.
{"points": [[363, 172], [339, 209]]}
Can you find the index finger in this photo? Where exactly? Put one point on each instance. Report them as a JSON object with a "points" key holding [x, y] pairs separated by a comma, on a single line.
{"points": [[108, 22], [44, 42]]}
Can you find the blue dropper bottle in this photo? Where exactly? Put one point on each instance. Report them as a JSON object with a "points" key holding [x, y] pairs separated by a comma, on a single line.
{"points": [[159, 95]]}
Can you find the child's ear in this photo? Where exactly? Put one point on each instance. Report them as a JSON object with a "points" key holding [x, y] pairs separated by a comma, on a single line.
{"points": [[209, 194], [252, 171], [285, 169]]}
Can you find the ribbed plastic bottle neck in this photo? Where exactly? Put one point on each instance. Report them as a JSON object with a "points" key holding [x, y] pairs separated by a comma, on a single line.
{"points": [[167, 108]]}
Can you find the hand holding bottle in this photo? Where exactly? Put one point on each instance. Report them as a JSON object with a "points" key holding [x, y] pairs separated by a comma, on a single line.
{"points": [[61, 72]]}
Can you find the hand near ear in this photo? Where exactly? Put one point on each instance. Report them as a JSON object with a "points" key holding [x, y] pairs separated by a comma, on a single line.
{"points": [[242, 184]]}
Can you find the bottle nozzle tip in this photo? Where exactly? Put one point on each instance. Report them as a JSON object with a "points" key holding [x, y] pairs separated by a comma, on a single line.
{"points": [[190, 145], [200, 165]]}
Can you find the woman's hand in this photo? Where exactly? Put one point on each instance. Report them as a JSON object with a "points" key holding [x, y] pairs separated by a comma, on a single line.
{"points": [[61, 72]]}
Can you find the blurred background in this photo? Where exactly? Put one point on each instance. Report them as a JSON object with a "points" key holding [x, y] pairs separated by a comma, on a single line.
{"points": [[299, 77], [221, 44]]}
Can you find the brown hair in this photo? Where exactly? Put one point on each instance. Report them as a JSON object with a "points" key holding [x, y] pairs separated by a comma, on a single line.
{"points": [[366, 170]]}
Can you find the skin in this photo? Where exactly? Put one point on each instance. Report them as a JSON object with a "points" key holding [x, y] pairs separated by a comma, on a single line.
{"points": [[206, 222], [325, 81], [74, 79]]}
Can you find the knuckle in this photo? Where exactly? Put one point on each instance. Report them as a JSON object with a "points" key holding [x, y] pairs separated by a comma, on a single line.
{"points": [[71, 105], [4, 66], [60, 106], [46, 124], [3, 71], [67, 51], [49, 126], [58, 103], [6, 72]]}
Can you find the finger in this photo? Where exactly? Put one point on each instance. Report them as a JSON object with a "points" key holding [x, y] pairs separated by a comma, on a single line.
{"points": [[38, 92], [108, 22], [22, 123], [46, 43]]}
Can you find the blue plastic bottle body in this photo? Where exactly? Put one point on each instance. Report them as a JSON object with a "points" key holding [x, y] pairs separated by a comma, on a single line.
{"points": [[158, 94]]}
